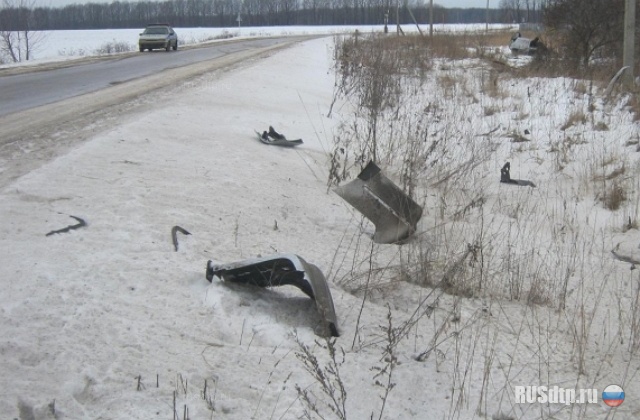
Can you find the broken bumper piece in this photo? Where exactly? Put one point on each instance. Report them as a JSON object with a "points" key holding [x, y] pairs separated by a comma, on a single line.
{"points": [[505, 177], [274, 138], [280, 270], [394, 214]]}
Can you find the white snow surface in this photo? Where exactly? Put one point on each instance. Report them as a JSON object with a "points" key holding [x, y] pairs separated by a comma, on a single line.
{"points": [[88, 311], [109, 322]]}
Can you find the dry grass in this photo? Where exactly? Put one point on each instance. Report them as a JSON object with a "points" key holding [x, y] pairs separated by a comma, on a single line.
{"points": [[575, 118], [633, 103], [616, 173], [478, 248], [491, 84], [491, 110], [580, 87], [448, 83], [517, 138], [450, 46], [416, 52], [613, 196]]}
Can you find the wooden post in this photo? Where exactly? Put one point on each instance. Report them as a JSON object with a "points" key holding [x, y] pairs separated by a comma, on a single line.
{"points": [[486, 25], [414, 20], [431, 18], [628, 58], [398, 28]]}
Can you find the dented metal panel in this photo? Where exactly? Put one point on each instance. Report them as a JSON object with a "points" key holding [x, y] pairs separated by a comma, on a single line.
{"points": [[522, 45], [280, 270], [394, 214]]}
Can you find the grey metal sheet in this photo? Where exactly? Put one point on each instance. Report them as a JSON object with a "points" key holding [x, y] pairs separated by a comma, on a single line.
{"points": [[394, 214]]}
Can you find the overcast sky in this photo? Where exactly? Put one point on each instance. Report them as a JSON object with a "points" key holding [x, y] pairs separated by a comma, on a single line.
{"points": [[444, 3]]}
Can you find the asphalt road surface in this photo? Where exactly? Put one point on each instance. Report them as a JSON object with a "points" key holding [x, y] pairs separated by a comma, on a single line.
{"points": [[28, 90]]}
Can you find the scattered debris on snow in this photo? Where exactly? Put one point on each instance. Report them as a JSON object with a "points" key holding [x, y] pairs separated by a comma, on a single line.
{"points": [[280, 270], [628, 251], [174, 235], [277, 139], [81, 223], [505, 177], [393, 212]]}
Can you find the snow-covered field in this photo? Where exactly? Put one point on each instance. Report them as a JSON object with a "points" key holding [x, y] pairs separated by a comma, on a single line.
{"points": [[65, 45], [109, 322]]}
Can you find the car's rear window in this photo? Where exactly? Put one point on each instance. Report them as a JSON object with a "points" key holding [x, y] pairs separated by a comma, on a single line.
{"points": [[156, 31]]}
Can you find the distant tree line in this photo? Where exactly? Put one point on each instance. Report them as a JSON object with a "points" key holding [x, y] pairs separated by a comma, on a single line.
{"points": [[523, 10], [15, 14]]}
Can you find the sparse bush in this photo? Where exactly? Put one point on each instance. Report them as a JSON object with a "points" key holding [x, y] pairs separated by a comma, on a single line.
{"points": [[206, 38], [517, 138], [449, 84], [327, 377], [538, 294], [580, 87], [72, 52], [575, 118], [633, 103], [114, 47], [491, 84], [601, 126], [613, 196], [226, 35]]}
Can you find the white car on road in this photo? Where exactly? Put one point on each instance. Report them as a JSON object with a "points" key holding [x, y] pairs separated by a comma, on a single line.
{"points": [[158, 35]]}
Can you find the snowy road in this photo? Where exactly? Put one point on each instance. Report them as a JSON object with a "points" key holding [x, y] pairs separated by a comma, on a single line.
{"points": [[24, 91], [44, 132]]}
